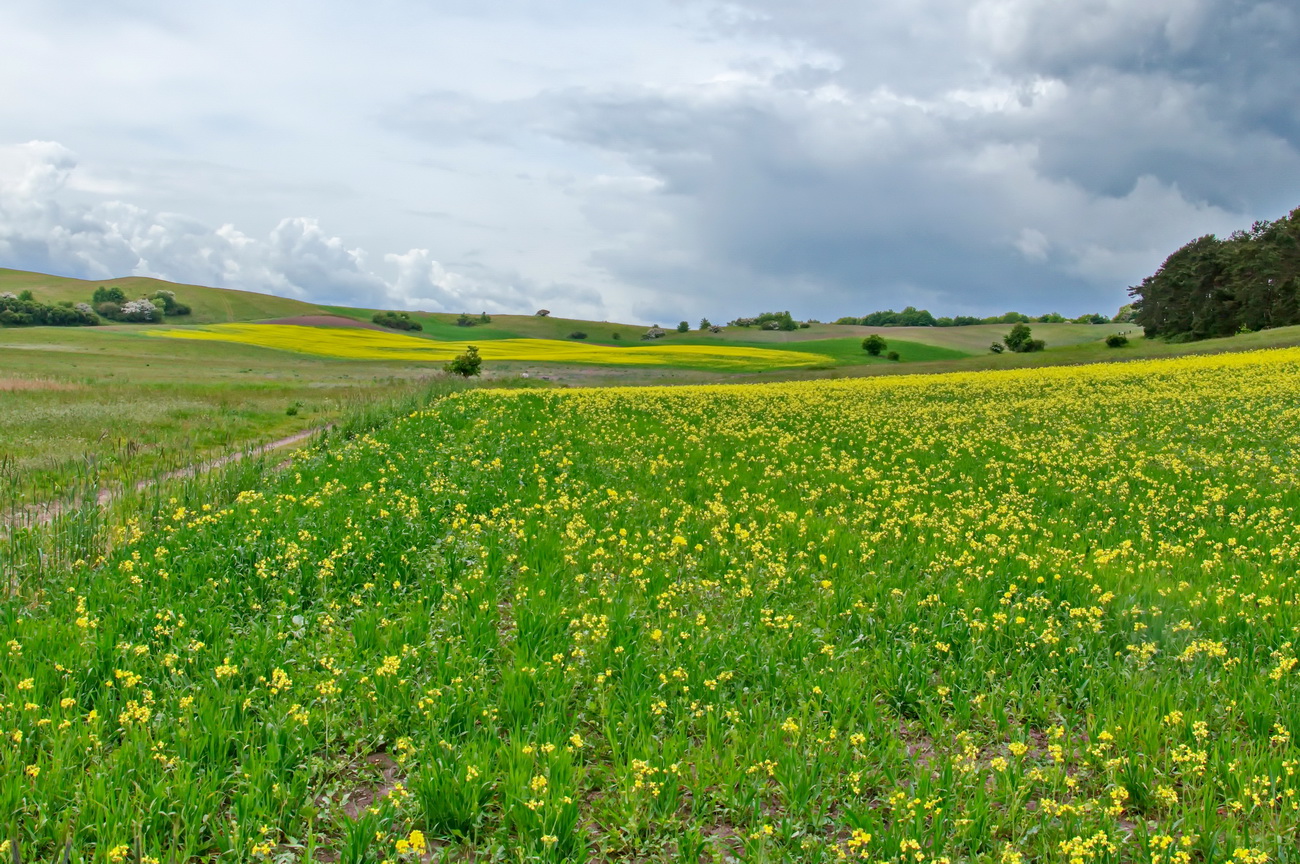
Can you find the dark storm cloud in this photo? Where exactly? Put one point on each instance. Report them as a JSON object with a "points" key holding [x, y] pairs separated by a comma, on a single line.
{"points": [[984, 155]]}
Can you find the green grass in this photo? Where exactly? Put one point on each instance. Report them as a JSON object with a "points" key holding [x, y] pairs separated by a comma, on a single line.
{"points": [[77, 402], [990, 617]]}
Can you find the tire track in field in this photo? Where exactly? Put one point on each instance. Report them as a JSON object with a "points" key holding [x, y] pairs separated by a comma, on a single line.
{"points": [[46, 512]]}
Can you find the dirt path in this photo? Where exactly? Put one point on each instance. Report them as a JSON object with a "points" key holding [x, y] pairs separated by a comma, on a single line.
{"points": [[40, 514]]}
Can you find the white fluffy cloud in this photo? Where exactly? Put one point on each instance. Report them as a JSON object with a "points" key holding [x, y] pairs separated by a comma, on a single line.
{"points": [[298, 258]]}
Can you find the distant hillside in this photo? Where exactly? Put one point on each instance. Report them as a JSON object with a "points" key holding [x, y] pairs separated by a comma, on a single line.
{"points": [[209, 305], [224, 305]]}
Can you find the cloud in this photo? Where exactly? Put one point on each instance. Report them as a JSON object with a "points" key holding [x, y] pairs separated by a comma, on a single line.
{"points": [[657, 158], [39, 231]]}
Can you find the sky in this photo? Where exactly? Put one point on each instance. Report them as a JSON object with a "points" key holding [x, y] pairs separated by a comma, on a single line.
{"points": [[647, 160]]}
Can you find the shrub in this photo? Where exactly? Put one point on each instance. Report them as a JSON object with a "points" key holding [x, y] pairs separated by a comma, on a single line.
{"points": [[465, 321], [577, 334], [683, 327], [484, 318], [396, 321], [139, 311], [1116, 340], [616, 336], [768, 321], [1021, 341], [705, 324], [108, 309], [167, 302], [997, 347], [105, 294], [874, 344], [466, 364], [17, 312], [893, 355]]}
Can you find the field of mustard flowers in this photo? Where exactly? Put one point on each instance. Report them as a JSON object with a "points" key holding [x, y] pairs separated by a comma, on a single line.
{"points": [[357, 344], [1043, 615]]}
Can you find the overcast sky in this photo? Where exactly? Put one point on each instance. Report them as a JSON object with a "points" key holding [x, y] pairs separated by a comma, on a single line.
{"points": [[645, 160]]}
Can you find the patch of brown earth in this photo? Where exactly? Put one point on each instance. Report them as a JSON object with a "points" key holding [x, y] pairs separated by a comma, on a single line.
{"points": [[34, 384], [324, 321]]}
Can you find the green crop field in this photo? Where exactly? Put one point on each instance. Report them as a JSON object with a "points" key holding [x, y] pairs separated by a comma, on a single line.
{"points": [[1013, 616]]}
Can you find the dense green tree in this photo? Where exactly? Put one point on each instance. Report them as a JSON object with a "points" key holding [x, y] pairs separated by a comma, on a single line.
{"points": [[1212, 287], [874, 344], [467, 364]]}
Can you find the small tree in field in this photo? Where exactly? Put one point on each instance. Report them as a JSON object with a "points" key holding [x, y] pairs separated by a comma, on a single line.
{"points": [[466, 364], [1021, 341], [874, 344], [683, 327]]}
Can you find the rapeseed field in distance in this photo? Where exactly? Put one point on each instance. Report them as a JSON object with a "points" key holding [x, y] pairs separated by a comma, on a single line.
{"points": [[361, 344], [1041, 615]]}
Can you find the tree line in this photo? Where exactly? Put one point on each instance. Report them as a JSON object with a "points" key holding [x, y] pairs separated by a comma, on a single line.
{"points": [[1212, 287], [913, 317]]}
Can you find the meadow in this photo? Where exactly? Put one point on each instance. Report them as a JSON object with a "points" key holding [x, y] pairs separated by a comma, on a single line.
{"points": [[103, 406], [1030, 615]]}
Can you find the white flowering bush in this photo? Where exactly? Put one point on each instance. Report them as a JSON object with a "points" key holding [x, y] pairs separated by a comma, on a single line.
{"points": [[138, 310]]}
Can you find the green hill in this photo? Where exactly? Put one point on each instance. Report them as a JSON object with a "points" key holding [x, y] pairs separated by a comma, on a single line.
{"points": [[209, 305]]}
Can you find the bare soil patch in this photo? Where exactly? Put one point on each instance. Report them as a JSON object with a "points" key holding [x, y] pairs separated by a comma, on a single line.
{"points": [[34, 384]]}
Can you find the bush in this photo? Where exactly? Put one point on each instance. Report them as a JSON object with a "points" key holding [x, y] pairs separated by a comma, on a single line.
{"points": [[705, 324], [167, 302], [1116, 340], [104, 294], [466, 364], [577, 334], [768, 321], [108, 309], [396, 321], [1020, 340], [997, 347], [139, 311], [465, 321], [683, 327], [616, 336], [484, 318], [17, 312], [874, 344], [893, 355]]}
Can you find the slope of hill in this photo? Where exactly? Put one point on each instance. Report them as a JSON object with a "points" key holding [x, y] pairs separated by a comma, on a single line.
{"points": [[209, 305]]}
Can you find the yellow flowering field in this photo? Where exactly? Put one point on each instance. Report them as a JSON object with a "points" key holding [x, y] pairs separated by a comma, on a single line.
{"points": [[361, 344], [1042, 615]]}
